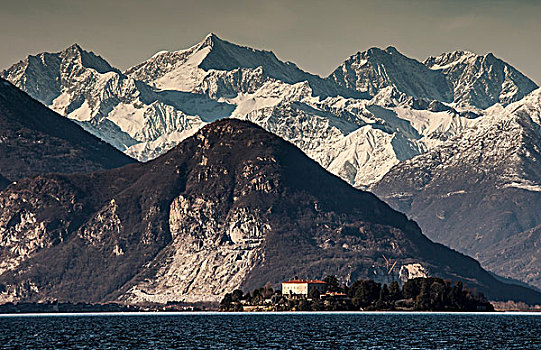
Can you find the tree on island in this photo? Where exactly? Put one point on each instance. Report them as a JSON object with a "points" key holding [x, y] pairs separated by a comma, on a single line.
{"points": [[333, 285], [364, 293]]}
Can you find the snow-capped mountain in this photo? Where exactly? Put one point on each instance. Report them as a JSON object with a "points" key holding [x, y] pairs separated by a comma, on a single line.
{"points": [[112, 106], [153, 106], [405, 107], [372, 70], [185, 70], [47, 75], [481, 81], [480, 188]]}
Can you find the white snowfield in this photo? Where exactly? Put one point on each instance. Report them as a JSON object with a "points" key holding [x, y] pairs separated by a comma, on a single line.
{"points": [[150, 108]]}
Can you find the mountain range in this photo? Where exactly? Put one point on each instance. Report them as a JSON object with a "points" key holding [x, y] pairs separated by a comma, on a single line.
{"points": [[451, 141], [375, 110]]}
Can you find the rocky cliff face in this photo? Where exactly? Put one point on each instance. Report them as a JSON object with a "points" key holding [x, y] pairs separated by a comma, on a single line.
{"points": [[479, 189], [232, 206], [34, 140]]}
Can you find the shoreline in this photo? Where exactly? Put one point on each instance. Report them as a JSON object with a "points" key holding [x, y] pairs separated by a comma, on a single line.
{"points": [[272, 313]]}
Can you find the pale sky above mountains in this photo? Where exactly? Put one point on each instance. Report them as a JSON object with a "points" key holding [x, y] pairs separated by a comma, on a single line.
{"points": [[316, 35]]}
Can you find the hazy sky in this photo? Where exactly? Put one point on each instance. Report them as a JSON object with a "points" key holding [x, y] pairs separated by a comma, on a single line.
{"points": [[317, 35]]}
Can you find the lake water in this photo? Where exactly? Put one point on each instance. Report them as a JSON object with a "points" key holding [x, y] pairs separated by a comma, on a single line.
{"points": [[272, 331]]}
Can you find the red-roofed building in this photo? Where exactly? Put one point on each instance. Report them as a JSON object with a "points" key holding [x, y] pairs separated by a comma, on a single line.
{"points": [[303, 287]]}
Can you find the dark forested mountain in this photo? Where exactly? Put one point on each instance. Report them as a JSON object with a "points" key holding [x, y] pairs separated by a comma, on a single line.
{"points": [[233, 206], [3, 182], [35, 140]]}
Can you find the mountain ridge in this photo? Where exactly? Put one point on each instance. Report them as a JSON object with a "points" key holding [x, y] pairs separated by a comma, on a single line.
{"points": [[375, 69], [214, 53], [167, 98], [495, 81]]}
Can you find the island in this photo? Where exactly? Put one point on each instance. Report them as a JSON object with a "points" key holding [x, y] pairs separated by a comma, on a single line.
{"points": [[417, 294]]}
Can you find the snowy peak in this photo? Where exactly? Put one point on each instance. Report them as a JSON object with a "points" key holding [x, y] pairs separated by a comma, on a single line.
{"points": [[225, 55], [86, 59], [375, 69], [82, 86], [481, 81], [211, 38], [42, 75], [184, 70], [437, 62]]}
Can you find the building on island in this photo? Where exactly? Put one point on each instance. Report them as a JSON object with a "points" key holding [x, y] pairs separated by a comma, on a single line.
{"points": [[303, 287]]}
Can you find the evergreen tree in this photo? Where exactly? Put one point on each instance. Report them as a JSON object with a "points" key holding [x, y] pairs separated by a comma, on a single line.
{"points": [[225, 304], [365, 293], [237, 295], [394, 291], [332, 284], [267, 290], [384, 293], [412, 288], [422, 300]]}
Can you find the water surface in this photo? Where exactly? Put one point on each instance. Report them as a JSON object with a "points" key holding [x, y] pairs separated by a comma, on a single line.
{"points": [[272, 331]]}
